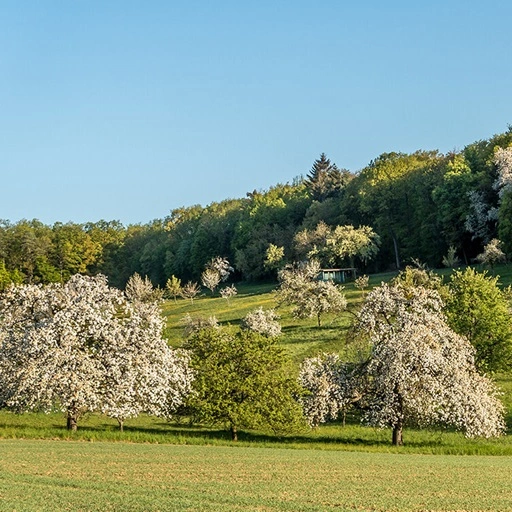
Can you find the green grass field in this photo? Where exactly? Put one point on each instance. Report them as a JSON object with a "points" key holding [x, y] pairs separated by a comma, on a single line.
{"points": [[157, 465], [50, 475]]}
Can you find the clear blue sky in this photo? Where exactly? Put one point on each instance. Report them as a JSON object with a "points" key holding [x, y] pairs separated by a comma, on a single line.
{"points": [[125, 110]]}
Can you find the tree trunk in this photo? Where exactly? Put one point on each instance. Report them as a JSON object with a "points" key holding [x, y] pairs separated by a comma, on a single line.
{"points": [[121, 424], [234, 433], [318, 317], [397, 257], [72, 420], [397, 435]]}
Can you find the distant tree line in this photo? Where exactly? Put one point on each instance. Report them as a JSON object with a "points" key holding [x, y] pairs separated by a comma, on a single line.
{"points": [[420, 205]]}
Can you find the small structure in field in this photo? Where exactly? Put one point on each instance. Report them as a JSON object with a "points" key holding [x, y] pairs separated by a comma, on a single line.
{"points": [[338, 275]]}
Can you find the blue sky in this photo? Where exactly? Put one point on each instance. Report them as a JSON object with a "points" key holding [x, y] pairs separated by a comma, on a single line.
{"points": [[124, 110]]}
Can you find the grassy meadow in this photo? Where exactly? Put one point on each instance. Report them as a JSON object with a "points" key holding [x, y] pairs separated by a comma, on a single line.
{"points": [[49, 475], [158, 465]]}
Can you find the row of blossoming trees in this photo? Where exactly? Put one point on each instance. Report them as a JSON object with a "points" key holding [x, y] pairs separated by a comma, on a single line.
{"points": [[84, 346]]}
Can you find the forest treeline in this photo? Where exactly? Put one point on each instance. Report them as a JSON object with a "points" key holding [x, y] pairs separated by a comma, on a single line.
{"points": [[419, 204]]}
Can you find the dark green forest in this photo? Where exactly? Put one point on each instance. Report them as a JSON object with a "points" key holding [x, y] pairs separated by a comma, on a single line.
{"points": [[420, 205]]}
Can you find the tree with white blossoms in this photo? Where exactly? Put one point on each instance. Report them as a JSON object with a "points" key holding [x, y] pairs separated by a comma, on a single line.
{"points": [[139, 289], [228, 292], [190, 291], [420, 372], [262, 321], [221, 266], [210, 279], [492, 254], [332, 387], [195, 324], [503, 162], [82, 346], [310, 297], [142, 373]]}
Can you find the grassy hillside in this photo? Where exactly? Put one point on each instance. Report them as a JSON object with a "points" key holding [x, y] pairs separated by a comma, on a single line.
{"points": [[302, 338]]}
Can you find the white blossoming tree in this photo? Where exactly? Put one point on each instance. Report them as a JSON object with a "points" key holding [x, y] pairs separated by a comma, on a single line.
{"points": [[310, 297], [492, 254], [503, 162], [228, 292], [331, 385], [210, 279], [420, 372], [139, 289], [82, 346], [263, 321]]}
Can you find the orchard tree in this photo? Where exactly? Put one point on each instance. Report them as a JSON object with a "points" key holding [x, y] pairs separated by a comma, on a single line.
{"points": [[173, 287], [310, 297], [335, 246], [420, 372], [141, 372], [142, 290], [190, 291], [332, 387], [228, 292], [242, 381], [262, 321], [210, 279], [492, 254], [81, 346], [479, 310], [221, 266], [349, 243]]}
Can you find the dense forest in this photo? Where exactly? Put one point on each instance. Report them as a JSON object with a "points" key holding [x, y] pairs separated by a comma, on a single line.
{"points": [[420, 205]]}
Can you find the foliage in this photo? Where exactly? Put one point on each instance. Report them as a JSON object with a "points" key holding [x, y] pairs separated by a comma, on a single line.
{"points": [[228, 292], [343, 244], [451, 260], [477, 309], [274, 256], [503, 162], [142, 290], [325, 180], [492, 254], [173, 287], [264, 322], [310, 297], [190, 291], [83, 347], [419, 371], [242, 381], [194, 324], [210, 279], [331, 385]]}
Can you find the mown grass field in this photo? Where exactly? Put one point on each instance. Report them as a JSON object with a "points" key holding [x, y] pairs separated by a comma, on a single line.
{"points": [[157, 465], [50, 475]]}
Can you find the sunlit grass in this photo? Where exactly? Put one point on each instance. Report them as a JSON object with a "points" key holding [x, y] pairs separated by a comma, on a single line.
{"points": [[50, 476]]}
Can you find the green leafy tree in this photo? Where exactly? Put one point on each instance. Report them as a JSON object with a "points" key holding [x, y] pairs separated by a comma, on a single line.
{"points": [[242, 381], [479, 310], [310, 297], [338, 246], [173, 287]]}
